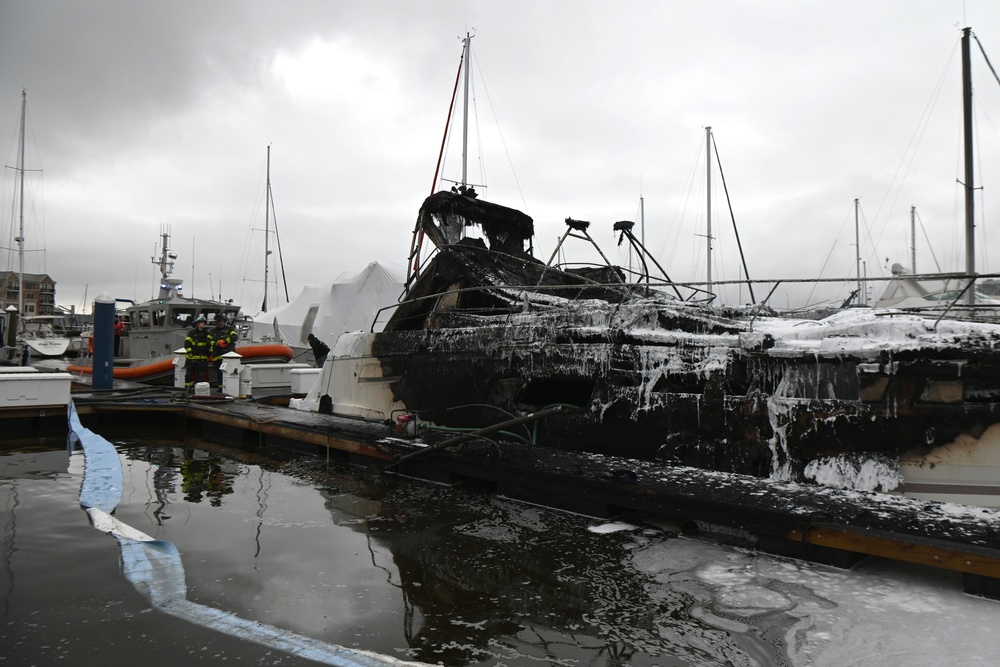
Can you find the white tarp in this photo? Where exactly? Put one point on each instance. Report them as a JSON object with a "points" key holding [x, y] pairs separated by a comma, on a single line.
{"points": [[327, 310], [907, 291]]}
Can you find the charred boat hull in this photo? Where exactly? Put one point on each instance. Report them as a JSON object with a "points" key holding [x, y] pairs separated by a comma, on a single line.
{"points": [[489, 333], [720, 402]]}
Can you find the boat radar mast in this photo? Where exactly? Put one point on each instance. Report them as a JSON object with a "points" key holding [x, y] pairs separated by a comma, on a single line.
{"points": [[169, 287]]}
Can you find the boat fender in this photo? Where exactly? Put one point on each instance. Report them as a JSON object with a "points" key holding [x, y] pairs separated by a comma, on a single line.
{"points": [[325, 404]]}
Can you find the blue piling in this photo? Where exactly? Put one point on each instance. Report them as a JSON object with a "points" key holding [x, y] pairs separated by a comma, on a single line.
{"points": [[104, 341]]}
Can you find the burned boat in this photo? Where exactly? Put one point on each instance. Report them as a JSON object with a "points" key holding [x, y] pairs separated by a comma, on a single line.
{"points": [[647, 370]]}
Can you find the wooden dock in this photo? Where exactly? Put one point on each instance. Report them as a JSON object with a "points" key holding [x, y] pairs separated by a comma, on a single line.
{"points": [[808, 522]]}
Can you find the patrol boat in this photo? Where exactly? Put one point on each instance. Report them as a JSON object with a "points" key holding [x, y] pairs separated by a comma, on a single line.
{"points": [[156, 329]]}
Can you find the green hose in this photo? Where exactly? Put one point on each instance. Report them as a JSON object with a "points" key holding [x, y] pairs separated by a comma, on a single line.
{"points": [[534, 427]]}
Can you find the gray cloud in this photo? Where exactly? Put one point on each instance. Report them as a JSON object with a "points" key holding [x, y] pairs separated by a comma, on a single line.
{"points": [[145, 114]]}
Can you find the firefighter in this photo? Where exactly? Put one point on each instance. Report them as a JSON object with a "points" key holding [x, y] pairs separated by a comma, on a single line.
{"points": [[224, 339], [198, 346], [119, 332]]}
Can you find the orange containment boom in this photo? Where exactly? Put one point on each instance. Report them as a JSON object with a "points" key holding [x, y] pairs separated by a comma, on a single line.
{"points": [[165, 365]]}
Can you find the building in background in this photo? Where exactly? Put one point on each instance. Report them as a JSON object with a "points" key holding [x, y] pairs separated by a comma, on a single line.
{"points": [[39, 292]]}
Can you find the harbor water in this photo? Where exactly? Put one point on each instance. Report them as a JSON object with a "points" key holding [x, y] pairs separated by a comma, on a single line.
{"points": [[425, 573]]}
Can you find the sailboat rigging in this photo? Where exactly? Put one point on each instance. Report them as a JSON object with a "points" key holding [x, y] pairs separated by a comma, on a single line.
{"points": [[970, 202], [906, 288], [732, 216], [270, 220], [710, 144], [413, 262], [277, 237], [857, 245], [267, 225], [40, 330], [20, 235]]}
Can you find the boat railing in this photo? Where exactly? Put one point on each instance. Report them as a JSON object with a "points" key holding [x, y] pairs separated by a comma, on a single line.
{"points": [[17, 355], [244, 326], [983, 311], [577, 229], [643, 278], [520, 301], [961, 294], [518, 297]]}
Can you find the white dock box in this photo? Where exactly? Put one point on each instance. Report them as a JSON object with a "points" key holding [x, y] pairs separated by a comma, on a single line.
{"points": [[31, 389], [273, 376], [304, 379]]}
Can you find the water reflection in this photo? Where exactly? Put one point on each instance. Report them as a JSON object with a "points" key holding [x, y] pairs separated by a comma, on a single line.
{"points": [[422, 572], [479, 579], [198, 473], [499, 580], [8, 541], [487, 580], [21, 459]]}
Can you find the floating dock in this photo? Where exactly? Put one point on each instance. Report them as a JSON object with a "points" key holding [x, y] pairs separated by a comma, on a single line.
{"points": [[808, 522], [33, 403]]}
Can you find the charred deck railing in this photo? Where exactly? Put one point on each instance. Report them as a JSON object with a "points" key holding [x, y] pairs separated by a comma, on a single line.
{"points": [[518, 292]]}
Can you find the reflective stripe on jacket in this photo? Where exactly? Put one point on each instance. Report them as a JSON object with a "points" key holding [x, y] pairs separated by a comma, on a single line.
{"points": [[198, 345]]}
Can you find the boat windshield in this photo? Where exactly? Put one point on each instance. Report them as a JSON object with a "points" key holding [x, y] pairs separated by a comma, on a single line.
{"points": [[212, 313], [183, 317], [45, 325]]}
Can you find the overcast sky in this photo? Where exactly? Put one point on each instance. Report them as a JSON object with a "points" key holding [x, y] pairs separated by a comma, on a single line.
{"points": [[143, 115]]}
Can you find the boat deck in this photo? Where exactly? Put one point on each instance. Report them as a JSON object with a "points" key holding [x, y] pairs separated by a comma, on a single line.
{"points": [[802, 521]]}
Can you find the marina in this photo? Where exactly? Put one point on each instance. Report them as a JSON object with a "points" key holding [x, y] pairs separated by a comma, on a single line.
{"points": [[430, 573], [813, 523], [644, 504], [648, 444]]}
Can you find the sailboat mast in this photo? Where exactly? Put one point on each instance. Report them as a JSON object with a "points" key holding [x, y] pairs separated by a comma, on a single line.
{"points": [[642, 220], [970, 224], [913, 239], [413, 261], [708, 210], [267, 224], [465, 115], [20, 234], [857, 246]]}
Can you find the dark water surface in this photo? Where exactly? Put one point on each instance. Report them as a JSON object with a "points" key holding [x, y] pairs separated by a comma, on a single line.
{"points": [[411, 570], [407, 569]]}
